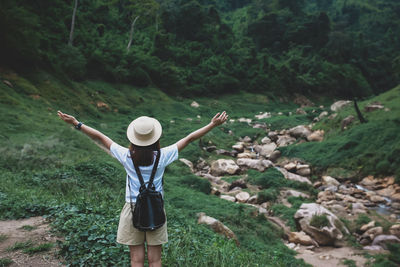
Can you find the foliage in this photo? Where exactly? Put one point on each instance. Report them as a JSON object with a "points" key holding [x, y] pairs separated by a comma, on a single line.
{"points": [[5, 262], [319, 221], [39, 248]]}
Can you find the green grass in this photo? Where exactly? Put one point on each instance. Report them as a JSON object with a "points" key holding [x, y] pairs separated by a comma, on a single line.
{"points": [[50, 169], [5, 262], [20, 245], [28, 227], [319, 221], [3, 238], [39, 248]]}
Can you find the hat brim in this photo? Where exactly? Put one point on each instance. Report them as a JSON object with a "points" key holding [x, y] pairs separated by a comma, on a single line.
{"points": [[144, 140]]}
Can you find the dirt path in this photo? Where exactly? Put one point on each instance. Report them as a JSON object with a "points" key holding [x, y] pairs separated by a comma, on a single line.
{"points": [[34, 229]]}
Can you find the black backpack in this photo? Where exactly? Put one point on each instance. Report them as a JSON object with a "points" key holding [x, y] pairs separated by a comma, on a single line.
{"points": [[148, 214]]}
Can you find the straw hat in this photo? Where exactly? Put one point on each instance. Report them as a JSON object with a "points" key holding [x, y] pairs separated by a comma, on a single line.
{"points": [[144, 131]]}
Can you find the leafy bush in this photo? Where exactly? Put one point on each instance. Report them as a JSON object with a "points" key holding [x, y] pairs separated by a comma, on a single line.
{"points": [[267, 195], [197, 183], [319, 221]]}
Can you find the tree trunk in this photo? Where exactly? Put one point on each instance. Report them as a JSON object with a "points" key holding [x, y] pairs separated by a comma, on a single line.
{"points": [[131, 33], [71, 34], [360, 116]]}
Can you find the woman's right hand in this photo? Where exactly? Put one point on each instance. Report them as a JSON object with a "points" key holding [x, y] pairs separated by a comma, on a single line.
{"points": [[219, 118]]}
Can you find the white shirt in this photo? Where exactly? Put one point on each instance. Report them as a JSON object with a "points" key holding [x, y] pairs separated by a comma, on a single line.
{"points": [[168, 155]]}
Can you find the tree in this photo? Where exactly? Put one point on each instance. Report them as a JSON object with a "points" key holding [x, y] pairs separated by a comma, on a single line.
{"points": [[71, 34], [137, 9]]}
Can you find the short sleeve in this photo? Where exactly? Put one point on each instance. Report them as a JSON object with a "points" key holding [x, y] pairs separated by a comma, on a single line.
{"points": [[118, 152], [169, 154]]}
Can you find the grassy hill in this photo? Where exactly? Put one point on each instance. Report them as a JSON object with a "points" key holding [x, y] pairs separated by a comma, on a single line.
{"points": [[48, 168]]}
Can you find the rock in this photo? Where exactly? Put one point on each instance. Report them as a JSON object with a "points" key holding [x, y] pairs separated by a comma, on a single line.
{"points": [[253, 200], [224, 166], [326, 235], [302, 101], [300, 111], [273, 135], [238, 183], [340, 104], [316, 136], [265, 150], [210, 148], [302, 239], [331, 188], [372, 107], [195, 104], [387, 192], [371, 233], [373, 248], [295, 193], [258, 164], [215, 191], [328, 180], [246, 139], [266, 140], [395, 230], [244, 120], [265, 115], [323, 114], [274, 155], [102, 105], [376, 199], [291, 166], [291, 245], [187, 163], [338, 209], [326, 196], [260, 126], [347, 121], [285, 140], [303, 170], [293, 177], [358, 206], [382, 240], [246, 155], [229, 198], [261, 210], [232, 153], [8, 83], [368, 181], [239, 147], [264, 205], [242, 197], [300, 131], [396, 197], [217, 226]]}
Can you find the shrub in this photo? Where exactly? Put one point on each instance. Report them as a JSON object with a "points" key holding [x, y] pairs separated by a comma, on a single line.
{"points": [[319, 221], [362, 219], [200, 184], [267, 195]]}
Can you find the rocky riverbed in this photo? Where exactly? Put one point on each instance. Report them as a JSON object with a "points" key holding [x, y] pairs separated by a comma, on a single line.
{"points": [[339, 199]]}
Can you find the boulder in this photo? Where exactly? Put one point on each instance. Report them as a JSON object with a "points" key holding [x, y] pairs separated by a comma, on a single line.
{"points": [[246, 139], [291, 166], [302, 239], [253, 200], [372, 232], [300, 131], [340, 104], [241, 183], [274, 155], [285, 140], [265, 115], [239, 147], [293, 177], [323, 114], [217, 226], [229, 198], [303, 170], [347, 121], [316, 136], [326, 235], [373, 248], [244, 120], [295, 193], [246, 155], [187, 163], [258, 164], [242, 197], [328, 180], [265, 150], [369, 181], [273, 135], [266, 140], [372, 107], [195, 104], [224, 166], [232, 153], [395, 230], [382, 240]]}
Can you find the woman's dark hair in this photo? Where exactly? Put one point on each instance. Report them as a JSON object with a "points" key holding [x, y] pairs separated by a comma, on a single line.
{"points": [[143, 155]]}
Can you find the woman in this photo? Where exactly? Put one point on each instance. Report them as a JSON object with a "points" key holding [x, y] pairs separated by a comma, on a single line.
{"points": [[144, 134]]}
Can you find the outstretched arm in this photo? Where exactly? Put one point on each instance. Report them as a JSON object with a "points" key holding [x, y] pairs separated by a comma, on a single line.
{"points": [[92, 133], [217, 120]]}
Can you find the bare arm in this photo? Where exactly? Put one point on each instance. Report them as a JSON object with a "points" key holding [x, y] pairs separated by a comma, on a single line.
{"points": [[89, 131], [217, 120]]}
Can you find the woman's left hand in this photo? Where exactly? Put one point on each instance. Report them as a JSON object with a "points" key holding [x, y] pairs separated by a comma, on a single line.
{"points": [[67, 118]]}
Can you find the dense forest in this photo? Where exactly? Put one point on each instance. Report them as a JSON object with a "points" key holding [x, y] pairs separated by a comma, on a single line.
{"points": [[344, 48]]}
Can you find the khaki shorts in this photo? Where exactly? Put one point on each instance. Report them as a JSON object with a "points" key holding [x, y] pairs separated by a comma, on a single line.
{"points": [[129, 235]]}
